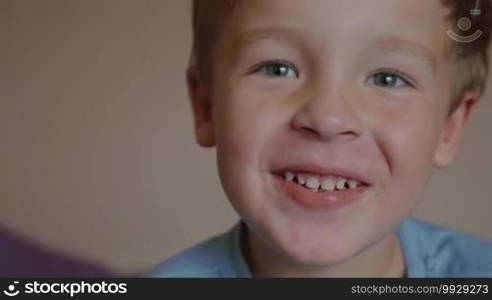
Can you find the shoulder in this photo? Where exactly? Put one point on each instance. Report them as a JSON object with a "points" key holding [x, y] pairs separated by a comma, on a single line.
{"points": [[206, 259], [445, 252]]}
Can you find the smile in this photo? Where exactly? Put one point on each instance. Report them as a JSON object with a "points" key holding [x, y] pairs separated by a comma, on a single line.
{"points": [[321, 192], [317, 183]]}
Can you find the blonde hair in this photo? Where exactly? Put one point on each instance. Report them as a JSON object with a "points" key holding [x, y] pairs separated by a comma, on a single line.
{"points": [[470, 59]]}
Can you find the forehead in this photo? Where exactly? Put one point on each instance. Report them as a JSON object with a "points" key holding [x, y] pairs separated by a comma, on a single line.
{"points": [[413, 25]]}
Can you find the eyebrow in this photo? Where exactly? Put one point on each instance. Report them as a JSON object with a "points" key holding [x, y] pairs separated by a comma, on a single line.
{"points": [[276, 33], [418, 50], [390, 44]]}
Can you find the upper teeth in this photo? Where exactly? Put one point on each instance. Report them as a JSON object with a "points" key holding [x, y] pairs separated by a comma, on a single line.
{"points": [[328, 184], [325, 183], [289, 176], [341, 184], [313, 183], [301, 179]]}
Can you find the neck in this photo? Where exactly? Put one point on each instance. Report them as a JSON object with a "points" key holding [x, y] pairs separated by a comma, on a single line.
{"points": [[383, 259]]}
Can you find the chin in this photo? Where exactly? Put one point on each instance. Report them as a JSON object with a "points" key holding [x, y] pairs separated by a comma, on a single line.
{"points": [[318, 258], [314, 252]]}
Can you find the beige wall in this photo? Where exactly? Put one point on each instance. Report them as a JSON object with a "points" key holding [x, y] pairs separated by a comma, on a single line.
{"points": [[97, 154]]}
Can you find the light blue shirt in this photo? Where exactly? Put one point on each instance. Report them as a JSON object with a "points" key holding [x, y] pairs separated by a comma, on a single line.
{"points": [[429, 251]]}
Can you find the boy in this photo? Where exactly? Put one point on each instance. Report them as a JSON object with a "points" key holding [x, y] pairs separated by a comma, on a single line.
{"points": [[328, 116]]}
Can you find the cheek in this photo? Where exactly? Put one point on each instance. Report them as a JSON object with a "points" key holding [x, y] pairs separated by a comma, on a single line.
{"points": [[407, 141], [245, 126], [412, 145], [245, 122]]}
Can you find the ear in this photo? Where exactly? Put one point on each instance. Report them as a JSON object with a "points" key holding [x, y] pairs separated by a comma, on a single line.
{"points": [[453, 130], [201, 104]]}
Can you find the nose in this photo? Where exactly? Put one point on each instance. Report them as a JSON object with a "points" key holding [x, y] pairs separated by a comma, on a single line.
{"points": [[328, 115]]}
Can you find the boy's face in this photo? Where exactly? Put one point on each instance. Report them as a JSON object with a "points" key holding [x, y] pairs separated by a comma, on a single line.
{"points": [[344, 89]]}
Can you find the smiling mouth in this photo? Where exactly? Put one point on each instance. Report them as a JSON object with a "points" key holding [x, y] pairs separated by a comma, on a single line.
{"points": [[321, 192], [317, 183]]}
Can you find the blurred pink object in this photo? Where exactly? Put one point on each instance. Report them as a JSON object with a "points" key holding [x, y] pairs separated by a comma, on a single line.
{"points": [[22, 258]]}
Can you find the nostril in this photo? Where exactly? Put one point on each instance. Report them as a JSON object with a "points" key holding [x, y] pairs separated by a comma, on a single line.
{"points": [[310, 131], [329, 135], [333, 122], [349, 133]]}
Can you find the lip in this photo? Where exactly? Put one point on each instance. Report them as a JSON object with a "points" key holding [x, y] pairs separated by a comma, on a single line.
{"points": [[319, 201]]}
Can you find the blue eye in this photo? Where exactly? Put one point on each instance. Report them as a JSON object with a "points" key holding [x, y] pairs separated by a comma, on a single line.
{"points": [[276, 69], [388, 80]]}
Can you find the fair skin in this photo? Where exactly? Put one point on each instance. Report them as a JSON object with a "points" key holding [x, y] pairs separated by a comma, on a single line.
{"points": [[360, 87]]}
